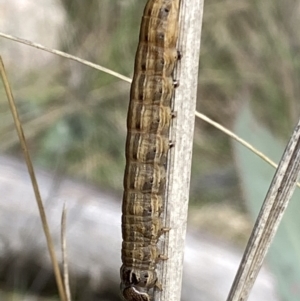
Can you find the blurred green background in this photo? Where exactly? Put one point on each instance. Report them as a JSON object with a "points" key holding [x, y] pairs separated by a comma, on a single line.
{"points": [[74, 116]]}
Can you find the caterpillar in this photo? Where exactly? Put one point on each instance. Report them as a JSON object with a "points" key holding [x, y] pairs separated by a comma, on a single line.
{"points": [[147, 146]]}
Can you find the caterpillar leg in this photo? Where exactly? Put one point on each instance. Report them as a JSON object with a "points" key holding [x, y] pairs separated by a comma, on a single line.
{"points": [[158, 285], [176, 83], [162, 257], [179, 55], [173, 114]]}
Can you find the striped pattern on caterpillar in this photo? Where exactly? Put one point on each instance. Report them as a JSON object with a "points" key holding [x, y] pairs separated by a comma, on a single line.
{"points": [[147, 146]]}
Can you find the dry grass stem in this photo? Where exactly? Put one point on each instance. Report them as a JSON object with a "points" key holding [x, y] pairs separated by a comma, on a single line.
{"points": [[64, 253], [66, 55], [180, 156], [33, 180], [268, 220], [238, 139]]}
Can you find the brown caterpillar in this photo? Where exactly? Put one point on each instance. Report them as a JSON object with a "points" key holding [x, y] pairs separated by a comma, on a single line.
{"points": [[147, 146]]}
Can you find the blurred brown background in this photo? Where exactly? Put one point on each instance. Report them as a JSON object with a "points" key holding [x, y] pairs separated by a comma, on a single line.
{"points": [[74, 116]]}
